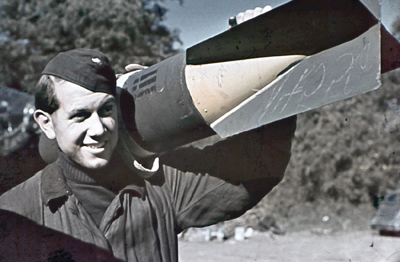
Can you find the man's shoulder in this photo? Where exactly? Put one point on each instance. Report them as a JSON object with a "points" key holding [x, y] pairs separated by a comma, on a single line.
{"points": [[26, 187], [23, 198]]}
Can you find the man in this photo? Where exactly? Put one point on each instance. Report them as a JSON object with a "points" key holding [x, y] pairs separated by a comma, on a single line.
{"points": [[91, 195]]}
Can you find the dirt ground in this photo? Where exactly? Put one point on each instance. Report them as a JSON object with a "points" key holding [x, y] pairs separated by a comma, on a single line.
{"points": [[362, 246]]}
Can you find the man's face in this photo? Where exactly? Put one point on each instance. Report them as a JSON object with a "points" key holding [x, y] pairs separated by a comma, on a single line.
{"points": [[85, 125]]}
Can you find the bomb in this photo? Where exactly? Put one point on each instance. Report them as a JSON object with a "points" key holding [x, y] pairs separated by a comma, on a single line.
{"points": [[181, 99], [171, 103]]}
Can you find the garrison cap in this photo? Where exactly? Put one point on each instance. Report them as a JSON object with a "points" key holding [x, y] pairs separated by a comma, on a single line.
{"points": [[90, 69]]}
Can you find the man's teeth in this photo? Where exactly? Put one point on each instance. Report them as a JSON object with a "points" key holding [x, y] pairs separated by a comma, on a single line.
{"points": [[95, 146]]}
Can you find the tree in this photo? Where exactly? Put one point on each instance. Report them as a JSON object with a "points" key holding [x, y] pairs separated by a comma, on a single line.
{"points": [[32, 32]]}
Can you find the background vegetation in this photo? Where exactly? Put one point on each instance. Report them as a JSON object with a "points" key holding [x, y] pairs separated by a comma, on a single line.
{"points": [[32, 32]]}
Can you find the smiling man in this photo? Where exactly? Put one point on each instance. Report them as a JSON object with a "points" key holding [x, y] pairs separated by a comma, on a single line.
{"points": [[90, 194], [84, 121], [85, 125]]}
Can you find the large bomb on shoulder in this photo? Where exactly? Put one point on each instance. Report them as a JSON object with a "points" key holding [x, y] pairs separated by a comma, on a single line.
{"points": [[171, 103], [181, 99]]}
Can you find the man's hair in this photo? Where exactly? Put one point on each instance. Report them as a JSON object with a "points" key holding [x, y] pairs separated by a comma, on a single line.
{"points": [[45, 94]]}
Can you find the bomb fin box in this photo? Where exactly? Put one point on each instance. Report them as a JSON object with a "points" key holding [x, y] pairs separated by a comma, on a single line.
{"points": [[333, 75], [342, 40]]}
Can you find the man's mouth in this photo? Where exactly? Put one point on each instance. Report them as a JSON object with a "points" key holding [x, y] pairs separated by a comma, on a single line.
{"points": [[96, 146]]}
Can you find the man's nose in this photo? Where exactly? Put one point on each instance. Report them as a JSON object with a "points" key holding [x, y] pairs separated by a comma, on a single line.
{"points": [[95, 126]]}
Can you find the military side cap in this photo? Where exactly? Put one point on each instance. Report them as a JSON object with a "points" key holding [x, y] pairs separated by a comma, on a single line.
{"points": [[90, 69]]}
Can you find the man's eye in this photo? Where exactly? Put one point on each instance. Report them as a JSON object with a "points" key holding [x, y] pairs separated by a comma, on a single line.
{"points": [[106, 110], [80, 116]]}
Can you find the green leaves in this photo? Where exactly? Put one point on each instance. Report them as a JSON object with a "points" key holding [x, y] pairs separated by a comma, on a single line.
{"points": [[32, 32]]}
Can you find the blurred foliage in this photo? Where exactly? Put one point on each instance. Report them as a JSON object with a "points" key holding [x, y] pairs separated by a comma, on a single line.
{"points": [[32, 32]]}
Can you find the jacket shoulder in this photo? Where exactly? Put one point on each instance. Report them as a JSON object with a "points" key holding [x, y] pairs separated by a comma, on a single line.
{"points": [[24, 199]]}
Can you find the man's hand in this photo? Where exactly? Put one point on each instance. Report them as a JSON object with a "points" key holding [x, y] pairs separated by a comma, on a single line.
{"points": [[248, 14], [134, 67], [130, 69]]}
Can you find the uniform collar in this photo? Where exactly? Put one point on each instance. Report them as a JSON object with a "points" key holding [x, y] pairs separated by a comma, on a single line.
{"points": [[55, 191]]}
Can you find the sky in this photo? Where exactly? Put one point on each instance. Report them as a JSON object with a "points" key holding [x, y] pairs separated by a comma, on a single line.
{"points": [[199, 20]]}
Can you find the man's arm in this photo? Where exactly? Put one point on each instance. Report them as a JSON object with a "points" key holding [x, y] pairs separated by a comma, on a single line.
{"points": [[259, 153], [224, 180]]}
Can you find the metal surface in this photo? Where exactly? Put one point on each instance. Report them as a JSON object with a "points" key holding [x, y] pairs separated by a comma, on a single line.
{"points": [[162, 115], [374, 6], [301, 27], [388, 216], [344, 71], [390, 51], [217, 88]]}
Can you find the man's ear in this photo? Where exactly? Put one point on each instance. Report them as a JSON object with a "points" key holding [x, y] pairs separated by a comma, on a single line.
{"points": [[45, 122]]}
